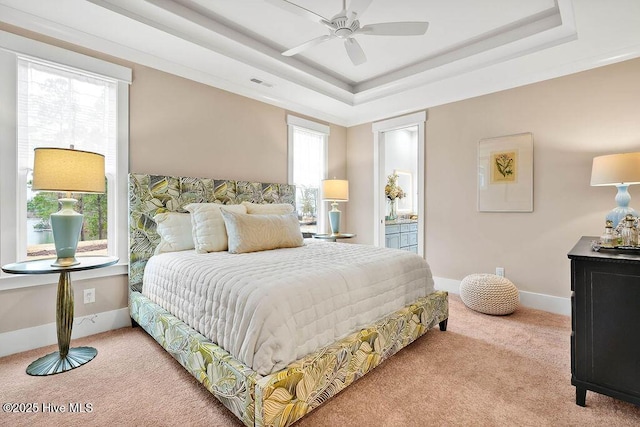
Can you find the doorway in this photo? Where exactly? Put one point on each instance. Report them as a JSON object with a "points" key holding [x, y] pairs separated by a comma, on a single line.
{"points": [[399, 153]]}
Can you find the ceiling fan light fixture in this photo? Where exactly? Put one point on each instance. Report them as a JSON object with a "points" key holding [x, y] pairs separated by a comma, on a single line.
{"points": [[342, 28], [345, 25]]}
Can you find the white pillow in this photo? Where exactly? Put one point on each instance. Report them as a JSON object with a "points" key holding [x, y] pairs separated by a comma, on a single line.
{"points": [[251, 233], [209, 233], [268, 209], [175, 232]]}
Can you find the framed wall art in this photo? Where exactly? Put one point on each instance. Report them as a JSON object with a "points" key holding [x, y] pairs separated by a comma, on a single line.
{"points": [[505, 173]]}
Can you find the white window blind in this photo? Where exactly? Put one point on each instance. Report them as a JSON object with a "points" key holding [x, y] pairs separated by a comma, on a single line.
{"points": [[308, 149], [58, 107]]}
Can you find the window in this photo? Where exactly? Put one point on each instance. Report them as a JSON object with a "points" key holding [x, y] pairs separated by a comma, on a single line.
{"points": [[307, 169], [58, 98], [60, 108]]}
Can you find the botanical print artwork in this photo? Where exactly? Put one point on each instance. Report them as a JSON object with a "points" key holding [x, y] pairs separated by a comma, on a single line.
{"points": [[504, 167], [505, 173]]}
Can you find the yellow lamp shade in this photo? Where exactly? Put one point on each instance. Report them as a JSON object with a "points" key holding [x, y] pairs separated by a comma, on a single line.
{"points": [[335, 189], [68, 170]]}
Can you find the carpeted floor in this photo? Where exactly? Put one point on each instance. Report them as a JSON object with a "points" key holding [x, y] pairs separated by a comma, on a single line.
{"points": [[484, 371]]}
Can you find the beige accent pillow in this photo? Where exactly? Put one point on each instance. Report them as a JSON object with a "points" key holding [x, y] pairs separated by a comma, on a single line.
{"points": [[251, 233], [209, 232], [174, 229], [268, 209]]}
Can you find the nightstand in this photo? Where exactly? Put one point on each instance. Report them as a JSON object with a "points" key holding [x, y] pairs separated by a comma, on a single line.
{"points": [[334, 237], [65, 358], [605, 340]]}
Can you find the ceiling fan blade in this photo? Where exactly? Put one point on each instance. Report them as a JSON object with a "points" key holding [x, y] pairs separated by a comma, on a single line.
{"points": [[356, 9], [299, 10], [355, 52], [395, 29], [307, 45]]}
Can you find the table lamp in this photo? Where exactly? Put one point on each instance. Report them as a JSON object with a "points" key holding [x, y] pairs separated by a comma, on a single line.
{"points": [[620, 170], [335, 190], [70, 171]]}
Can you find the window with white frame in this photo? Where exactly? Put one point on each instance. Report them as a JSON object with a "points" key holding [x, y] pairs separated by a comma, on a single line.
{"points": [[58, 98], [61, 107], [307, 168]]}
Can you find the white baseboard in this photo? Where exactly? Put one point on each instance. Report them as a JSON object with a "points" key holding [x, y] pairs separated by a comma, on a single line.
{"points": [[43, 335], [550, 303]]}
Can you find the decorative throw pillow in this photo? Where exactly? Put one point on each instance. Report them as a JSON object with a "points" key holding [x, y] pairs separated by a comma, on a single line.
{"points": [[209, 233], [268, 209], [251, 233], [175, 232]]}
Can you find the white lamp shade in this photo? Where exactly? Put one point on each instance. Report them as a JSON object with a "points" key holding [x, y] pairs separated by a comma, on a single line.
{"points": [[68, 170], [335, 189], [616, 169]]}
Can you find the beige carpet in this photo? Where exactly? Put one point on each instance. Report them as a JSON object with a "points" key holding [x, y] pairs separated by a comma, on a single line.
{"points": [[483, 371]]}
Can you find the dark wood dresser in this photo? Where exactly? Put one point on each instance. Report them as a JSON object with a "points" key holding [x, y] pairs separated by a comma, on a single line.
{"points": [[605, 320]]}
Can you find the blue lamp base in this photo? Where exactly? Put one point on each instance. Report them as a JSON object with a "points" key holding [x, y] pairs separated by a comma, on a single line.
{"points": [[622, 200], [334, 219], [66, 225]]}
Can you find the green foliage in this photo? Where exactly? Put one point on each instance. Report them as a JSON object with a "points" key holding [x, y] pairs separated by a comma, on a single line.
{"points": [[94, 207], [42, 205]]}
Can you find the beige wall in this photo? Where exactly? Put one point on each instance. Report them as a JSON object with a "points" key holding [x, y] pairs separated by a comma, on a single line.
{"points": [[177, 127], [360, 176], [572, 119], [34, 306]]}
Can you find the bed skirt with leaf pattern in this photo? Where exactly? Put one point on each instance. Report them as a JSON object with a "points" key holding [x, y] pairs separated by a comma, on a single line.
{"points": [[281, 398]]}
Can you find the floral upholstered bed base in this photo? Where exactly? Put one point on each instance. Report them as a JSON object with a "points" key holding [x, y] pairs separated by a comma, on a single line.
{"points": [[283, 397]]}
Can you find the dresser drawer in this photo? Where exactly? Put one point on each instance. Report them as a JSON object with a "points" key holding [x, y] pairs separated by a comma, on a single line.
{"points": [[392, 241], [408, 239], [391, 229], [413, 226]]}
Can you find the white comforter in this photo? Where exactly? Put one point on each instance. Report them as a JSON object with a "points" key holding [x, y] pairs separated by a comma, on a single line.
{"points": [[271, 308]]}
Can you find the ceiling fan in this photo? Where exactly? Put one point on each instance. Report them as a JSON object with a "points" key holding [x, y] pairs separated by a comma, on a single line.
{"points": [[345, 25]]}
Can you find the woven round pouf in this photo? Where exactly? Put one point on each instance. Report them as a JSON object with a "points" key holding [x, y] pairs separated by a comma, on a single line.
{"points": [[489, 294]]}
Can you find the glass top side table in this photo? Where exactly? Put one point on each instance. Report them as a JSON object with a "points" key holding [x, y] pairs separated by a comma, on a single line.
{"points": [[334, 237], [65, 358]]}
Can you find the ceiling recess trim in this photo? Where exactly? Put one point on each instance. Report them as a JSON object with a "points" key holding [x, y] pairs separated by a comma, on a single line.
{"points": [[549, 27]]}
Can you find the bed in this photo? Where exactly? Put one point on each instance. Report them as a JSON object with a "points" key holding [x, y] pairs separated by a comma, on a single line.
{"points": [[293, 383]]}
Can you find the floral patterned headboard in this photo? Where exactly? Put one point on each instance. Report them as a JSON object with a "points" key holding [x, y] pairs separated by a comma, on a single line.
{"points": [[153, 194]]}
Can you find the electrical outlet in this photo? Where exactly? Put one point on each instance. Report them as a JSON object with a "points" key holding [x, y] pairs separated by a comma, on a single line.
{"points": [[89, 296], [500, 271]]}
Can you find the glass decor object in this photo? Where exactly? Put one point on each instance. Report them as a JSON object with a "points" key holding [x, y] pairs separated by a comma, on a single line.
{"points": [[393, 209], [620, 170], [629, 233], [393, 192], [69, 171], [335, 190], [608, 240]]}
